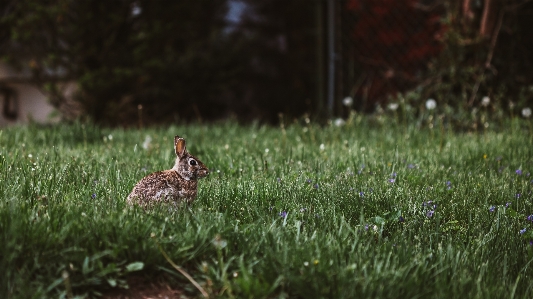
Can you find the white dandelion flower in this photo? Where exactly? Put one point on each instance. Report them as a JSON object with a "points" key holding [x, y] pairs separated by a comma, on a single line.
{"points": [[431, 104], [347, 101], [526, 112], [485, 101], [393, 106], [339, 122]]}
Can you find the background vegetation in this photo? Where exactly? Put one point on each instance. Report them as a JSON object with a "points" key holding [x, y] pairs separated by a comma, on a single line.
{"points": [[367, 209], [201, 60]]}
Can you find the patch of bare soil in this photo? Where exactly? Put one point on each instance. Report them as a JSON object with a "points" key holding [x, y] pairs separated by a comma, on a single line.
{"points": [[140, 288]]}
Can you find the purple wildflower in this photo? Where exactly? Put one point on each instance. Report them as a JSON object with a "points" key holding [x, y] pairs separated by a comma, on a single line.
{"points": [[394, 174], [283, 214], [315, 186], [309, 181], [93, 196], [518, 195], [492, 208], [518, 171], [507, 204], [401, 219], [430, 213], [522, 231], [361, 193], [366, 226], [278, 180], [391, 181], [530, 218], [410, 166]]}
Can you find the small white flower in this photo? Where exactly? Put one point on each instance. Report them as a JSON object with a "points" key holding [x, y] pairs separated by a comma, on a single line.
{"points": [[431, 104], [339, 122], [322, 146], [136, 9], [147, 141], [110, 137], [393, 106], [306, 264], [30, 155], [218, 242], [485, 101], [347, 101], [526, 112], [266, 150]]}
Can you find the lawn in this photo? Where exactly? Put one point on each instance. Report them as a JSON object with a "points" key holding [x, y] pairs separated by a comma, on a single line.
{"points": [[369, 209]]}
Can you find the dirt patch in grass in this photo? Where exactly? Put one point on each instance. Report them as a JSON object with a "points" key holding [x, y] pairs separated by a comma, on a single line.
{"points": [[141, 288]]}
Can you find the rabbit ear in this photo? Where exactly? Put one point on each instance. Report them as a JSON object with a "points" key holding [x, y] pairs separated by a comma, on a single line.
{"points": [[179, 146]]}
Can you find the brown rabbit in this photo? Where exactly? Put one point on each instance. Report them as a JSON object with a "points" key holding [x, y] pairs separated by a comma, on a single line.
{"points": [[173, 185]]}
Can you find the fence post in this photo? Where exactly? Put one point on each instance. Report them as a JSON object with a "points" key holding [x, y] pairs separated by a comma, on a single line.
{"points": [[320, 95], [331, 56]]}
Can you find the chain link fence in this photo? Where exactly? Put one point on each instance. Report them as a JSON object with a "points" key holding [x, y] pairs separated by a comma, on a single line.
{"points": [[464, 49]]}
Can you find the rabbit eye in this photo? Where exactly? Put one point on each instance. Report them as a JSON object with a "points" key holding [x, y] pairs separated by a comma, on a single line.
{"points": [[192, 162]]}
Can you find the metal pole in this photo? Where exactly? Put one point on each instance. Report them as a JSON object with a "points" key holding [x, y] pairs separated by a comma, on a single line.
{"points": [[320, 59], [331, 56]]}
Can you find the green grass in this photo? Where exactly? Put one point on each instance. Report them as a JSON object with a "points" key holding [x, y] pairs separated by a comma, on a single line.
{"points": [[63, 212]]}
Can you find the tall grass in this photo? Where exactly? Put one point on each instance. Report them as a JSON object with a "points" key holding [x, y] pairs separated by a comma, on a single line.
{"points": [[358, 211]]}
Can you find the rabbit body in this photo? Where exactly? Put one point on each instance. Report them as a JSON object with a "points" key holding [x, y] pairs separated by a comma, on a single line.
{"points": [[174, 185]]}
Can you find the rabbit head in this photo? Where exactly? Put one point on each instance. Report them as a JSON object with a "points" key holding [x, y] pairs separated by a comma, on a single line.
{"points": [[187, 165]]}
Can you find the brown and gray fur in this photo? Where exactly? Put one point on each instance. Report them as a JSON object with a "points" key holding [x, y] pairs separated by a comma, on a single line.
{"points": [[174, 185]]}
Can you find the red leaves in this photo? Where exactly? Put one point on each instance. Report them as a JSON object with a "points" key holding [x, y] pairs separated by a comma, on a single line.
{"points": [[395, 33], [395, 36]]}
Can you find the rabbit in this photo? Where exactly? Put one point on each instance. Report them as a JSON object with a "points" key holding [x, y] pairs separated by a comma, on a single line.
{"points": [[174, 185]]}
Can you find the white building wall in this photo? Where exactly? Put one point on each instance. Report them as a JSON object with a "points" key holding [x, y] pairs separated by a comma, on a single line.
{"points": [[31, 103]]}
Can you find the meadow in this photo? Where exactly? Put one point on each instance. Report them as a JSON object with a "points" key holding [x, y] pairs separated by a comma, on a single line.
{"points": [[361, 210]]}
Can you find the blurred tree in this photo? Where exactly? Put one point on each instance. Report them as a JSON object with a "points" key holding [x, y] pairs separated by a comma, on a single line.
{"points": [[163, 55], [280, 57], [175, 59], [455, 51]]}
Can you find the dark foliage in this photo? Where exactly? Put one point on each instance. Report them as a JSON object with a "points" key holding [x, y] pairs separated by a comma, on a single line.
{"points": [[141, 61]]}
